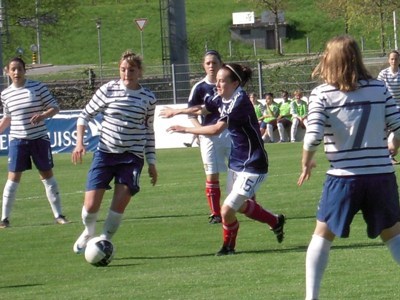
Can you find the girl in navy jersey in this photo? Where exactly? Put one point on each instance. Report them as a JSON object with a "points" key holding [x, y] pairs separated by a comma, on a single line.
{"points": [[126, 139], [27, 104], [214, 149], [351, 113], [248, 159]]}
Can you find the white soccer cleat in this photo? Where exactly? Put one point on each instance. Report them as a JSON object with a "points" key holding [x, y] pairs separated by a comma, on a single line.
{"points": [[81, 242]]}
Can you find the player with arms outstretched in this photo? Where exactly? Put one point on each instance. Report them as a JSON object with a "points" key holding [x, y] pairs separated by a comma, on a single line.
{"points": [[248, 160]]}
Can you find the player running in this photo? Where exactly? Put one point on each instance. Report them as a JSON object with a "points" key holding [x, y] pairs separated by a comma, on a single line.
{"points": [[248, 159]]}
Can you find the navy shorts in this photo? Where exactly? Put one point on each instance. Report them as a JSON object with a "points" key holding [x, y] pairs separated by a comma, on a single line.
{"points": [[125, 168], [376, 196], [22, 152]]}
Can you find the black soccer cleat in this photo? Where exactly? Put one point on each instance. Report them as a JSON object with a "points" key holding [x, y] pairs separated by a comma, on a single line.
{"points": [[278, 229], [225, 250]]}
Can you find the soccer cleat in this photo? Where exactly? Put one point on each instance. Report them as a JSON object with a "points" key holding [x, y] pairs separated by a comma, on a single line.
{"points": [[62, 220], [188, 145], [81, 242], [214, 219], [225, 250], [4, 223], [278, 229]]}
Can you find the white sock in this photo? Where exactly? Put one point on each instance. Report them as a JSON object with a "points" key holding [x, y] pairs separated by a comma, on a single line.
{"points": [[281, 130], [111, 224], [316, 262], [394, 247], [270, 130], [89, 220], [53, 195], [9, 195]]}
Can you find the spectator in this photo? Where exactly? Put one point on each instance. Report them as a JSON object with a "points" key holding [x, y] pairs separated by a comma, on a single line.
{"points": [[271, 112], [284, 120], [298, 109]]}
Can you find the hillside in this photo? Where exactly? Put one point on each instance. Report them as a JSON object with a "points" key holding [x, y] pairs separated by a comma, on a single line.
{"points": [[207, 24]]}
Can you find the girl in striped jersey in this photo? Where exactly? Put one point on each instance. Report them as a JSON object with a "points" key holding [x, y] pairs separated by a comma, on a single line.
{"points": [[126, 139], [248, 160], [391, 77], [351, 113], [27, 104]]}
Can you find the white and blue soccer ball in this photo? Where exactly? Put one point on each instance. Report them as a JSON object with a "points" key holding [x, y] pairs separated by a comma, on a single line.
{"points": [[99, 251]]}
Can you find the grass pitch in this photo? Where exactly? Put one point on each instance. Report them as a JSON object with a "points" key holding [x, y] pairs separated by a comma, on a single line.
{"points": [[165, 247]]}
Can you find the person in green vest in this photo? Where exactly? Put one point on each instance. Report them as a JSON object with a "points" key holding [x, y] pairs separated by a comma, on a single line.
{"points": [[284, 120], [271, 112], [298, 109]]}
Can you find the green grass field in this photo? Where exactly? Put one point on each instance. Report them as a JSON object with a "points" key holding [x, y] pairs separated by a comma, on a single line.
{"points": [[165, 247]]}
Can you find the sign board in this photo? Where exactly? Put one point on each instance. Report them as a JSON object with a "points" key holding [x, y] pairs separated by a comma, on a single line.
{"points": [[243, 18], [141, 23]]}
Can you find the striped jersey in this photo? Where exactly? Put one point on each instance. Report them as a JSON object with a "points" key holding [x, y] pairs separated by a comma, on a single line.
{"points": [[127, 119], [247, 151], [200, 91], [353, 126], [20, 104], [392, 83]]}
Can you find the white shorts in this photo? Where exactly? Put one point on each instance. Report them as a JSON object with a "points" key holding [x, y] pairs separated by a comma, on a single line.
{"points": [[215, 152], [242, 186]]}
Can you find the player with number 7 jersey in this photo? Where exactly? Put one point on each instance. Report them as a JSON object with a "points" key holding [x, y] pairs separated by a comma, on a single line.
{"points": [[360, 146]]}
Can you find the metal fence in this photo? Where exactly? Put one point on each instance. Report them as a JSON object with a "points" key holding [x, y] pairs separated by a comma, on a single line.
{"points": [[172, 84]]}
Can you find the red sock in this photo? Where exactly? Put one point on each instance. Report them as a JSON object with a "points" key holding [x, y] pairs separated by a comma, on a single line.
{"points": [[213, 193], [256, 212], [230, 232]]}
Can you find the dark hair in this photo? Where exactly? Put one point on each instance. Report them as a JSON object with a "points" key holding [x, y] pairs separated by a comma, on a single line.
{"points": [[17, 59], [269, 94], [213, 52], [239, 73], [132, 58]]}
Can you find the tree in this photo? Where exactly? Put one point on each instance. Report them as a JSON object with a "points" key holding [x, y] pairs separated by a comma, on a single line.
{"points": [[275, 6], [27, 21], [369, 13]]}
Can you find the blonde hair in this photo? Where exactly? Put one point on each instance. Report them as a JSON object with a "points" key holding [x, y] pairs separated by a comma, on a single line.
{"points": [[341, 64]]}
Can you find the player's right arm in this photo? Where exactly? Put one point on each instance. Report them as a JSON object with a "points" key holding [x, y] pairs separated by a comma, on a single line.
{"points": [[169, 112], [5, 123], [79, 150]]}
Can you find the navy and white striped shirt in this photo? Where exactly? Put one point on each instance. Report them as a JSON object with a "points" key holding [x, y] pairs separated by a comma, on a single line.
{"points": [[128, 117], [353, 126], [392, 83], [247, 152], [22, 103]]}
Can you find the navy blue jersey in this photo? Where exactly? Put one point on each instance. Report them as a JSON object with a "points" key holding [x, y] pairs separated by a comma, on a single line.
{"points": [[247, 152], [200, 91]]}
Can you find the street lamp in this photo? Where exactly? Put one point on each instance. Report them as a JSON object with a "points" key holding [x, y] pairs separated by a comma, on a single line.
{"points": [[98, 26]]}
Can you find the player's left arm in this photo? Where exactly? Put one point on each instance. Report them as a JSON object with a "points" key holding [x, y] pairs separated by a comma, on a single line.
{"points": [[214, 129]]}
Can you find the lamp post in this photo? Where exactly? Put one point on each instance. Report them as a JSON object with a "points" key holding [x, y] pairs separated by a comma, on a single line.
{"points": [[98, 26]]}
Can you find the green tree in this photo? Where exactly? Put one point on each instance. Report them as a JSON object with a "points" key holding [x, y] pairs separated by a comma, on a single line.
{"points": [[369, 13], [28, 22]]}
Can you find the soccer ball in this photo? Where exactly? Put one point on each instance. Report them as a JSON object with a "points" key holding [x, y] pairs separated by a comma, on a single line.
{"points": [[99, 252]]}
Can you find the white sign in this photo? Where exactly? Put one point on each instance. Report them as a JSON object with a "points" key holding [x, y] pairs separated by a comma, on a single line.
{"points": [[243, 18], [141, 23]]}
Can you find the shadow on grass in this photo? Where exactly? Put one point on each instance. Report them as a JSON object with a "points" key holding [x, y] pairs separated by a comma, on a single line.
{"points": [[17, 286], [294, 249]]}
